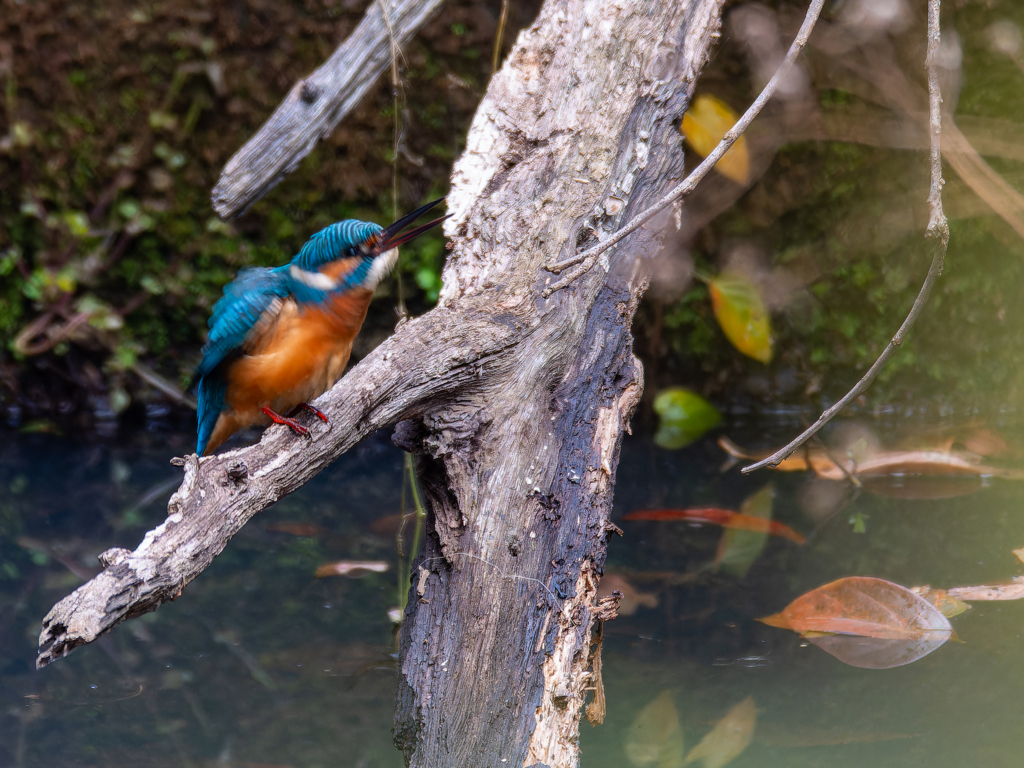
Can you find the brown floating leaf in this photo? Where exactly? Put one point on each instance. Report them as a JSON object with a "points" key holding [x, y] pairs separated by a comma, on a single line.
{"points": [[655, 738], [866, 622], [354, 569], [1012, 590], [730, 736], [918, 474]]}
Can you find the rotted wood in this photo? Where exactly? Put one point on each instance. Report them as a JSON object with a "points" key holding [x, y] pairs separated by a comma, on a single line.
{"points": [[516, 404], [317, 103]]}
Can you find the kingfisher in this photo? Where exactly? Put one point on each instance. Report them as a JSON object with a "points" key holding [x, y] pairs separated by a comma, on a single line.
{"points": [[280, 337]]}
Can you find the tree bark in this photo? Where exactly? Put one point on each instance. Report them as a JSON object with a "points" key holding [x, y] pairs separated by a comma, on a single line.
{"points": [[516, 404], [578, 130]]}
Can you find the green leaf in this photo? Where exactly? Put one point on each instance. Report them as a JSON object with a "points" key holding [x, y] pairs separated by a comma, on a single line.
{"points": [[683, 417], [742, 315]]}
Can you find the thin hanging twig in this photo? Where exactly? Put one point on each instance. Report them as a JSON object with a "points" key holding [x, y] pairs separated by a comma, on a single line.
{"points": [[498, 35], [938, 237], [588, 258]]}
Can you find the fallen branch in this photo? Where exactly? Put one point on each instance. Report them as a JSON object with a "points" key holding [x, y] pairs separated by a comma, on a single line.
{"points": [[938, 237], [316, 104]]}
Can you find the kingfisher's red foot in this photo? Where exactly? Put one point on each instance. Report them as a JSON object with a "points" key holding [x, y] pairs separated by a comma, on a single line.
{"points": [[311, 409], [292, 424]]}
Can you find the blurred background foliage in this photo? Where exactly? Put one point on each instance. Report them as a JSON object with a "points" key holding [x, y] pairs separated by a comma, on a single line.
{"points": [[118, 117]]}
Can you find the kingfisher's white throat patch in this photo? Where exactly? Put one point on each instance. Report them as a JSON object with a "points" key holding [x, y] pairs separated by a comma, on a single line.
{"points": [[317, 280], [380, 268]]}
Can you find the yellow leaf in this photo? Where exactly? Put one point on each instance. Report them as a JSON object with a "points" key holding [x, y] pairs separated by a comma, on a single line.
{"points": [[655, 738], [742, 316], [730, 736], [704, 124]]}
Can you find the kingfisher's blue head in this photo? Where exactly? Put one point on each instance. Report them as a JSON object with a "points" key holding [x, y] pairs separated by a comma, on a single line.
{"points": [[377, 247], [338, 241]]}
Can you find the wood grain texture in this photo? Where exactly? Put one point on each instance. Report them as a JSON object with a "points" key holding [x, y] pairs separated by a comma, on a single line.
{"points": [[515, 404], [316, 104]]}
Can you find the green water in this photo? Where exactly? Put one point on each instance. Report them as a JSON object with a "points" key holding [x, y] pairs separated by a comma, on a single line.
{"points": [[260, 663]]}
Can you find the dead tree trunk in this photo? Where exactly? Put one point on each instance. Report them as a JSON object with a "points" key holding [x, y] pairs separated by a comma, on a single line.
{"points": [[578, 130], [516, 403]]}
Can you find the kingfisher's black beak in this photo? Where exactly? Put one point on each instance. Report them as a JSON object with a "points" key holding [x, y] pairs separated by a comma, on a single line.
{"points": [[390, 238]]}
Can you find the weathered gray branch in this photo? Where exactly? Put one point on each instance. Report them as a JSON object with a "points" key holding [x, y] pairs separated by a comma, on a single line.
{"points": [[938, 237], [316, 104], [221, 493]]}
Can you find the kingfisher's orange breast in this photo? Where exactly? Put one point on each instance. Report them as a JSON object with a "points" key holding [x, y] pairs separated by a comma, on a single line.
{"points": [[293, 357]]}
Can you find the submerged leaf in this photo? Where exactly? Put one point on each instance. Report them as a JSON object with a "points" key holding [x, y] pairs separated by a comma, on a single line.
{"points": [[738, 549], [891, 624], [308, 530], [683, 417], [730, 736], [723, 517], [948, 605], [354, 569], [742, 315], [631, 599], [655, 738], [705, 123]]}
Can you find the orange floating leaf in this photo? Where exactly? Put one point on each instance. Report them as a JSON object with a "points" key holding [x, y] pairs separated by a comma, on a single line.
{"points": [[723, 517], [730, 736], [742, 315], [705, 123], [889, 624], [354, 569]]}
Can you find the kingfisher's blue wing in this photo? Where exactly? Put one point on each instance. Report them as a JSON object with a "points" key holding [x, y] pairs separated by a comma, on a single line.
{"points": [[245, 300]]}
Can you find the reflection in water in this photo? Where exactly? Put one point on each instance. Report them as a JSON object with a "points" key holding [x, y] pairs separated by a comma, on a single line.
{"points": [[260, 662]]}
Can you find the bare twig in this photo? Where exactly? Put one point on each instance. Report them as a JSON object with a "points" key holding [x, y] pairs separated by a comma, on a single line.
{"points": [[937, 234], [498, 35], [588, 258]]}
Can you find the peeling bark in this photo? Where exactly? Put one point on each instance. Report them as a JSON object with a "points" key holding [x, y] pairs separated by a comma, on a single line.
{"points": [[515, 404]]}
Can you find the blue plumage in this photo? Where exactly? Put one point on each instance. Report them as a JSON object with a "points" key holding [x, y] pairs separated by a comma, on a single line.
{"points": [[235, 314], [334, 242], [254, 291], [248, 309]]}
